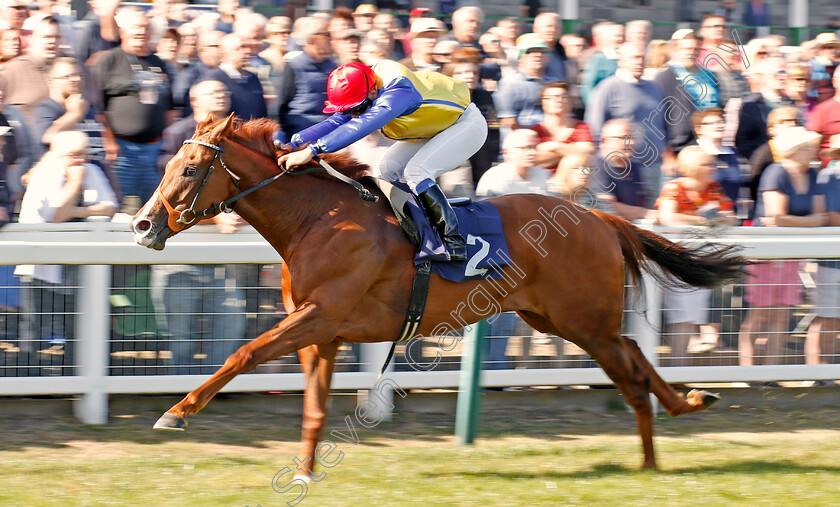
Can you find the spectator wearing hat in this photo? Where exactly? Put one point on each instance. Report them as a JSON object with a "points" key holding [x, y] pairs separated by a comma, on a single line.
{"points": [[823, 65], [604, 63], [547, 27], [625, 95], [690, 88], [821, 340], [789, 196], [825, 117], [518, 97], [303, 89], [363, 17], [424, 35]]}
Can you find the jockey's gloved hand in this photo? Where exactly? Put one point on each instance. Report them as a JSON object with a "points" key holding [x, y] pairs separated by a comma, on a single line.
{"points": [[280, 139]]}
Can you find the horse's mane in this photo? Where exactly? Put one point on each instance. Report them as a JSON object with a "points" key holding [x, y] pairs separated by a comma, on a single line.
{"points": [[258, 136]]}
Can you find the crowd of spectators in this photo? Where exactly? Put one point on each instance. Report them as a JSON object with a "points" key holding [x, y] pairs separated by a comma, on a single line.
{"points": [[702, 128]]}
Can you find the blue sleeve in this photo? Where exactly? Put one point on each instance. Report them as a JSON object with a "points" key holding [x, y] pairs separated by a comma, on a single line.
{"points": [[319, 130], [504, 98], [397, 98], [774, 178]]}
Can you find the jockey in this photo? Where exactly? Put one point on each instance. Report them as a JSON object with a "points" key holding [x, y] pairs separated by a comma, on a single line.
{"points": [[429, 114]]}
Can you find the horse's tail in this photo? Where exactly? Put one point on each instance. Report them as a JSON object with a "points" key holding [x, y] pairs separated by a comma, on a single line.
{"points": [[708, 266]]}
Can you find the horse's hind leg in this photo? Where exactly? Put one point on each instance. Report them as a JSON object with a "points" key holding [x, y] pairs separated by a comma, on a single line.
{"points": [[634, 383], [673, 403], [318, 362], [611, 354]]}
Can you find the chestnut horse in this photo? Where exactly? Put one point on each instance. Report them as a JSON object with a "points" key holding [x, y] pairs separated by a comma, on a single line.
{"points": [[348, 270]]}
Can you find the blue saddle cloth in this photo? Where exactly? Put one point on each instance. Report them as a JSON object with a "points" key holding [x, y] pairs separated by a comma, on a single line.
{"points": [[481, 225]]}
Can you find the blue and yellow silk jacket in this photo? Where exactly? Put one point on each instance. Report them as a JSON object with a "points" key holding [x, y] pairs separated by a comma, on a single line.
{"points": [[410, 106]]}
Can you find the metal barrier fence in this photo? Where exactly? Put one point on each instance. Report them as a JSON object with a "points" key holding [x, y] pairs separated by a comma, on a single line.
{"points": [[126, 319]]}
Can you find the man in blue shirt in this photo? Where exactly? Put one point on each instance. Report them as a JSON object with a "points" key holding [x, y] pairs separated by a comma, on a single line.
{"points": [[247, 100], [517, 99], [302, 90]]}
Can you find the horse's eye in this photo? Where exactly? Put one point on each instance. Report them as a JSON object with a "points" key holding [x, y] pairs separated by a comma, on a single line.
{"points": [[191, 170]]}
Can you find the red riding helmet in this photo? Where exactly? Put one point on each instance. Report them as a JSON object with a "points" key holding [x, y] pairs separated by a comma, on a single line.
{"points": [[348, 86]]}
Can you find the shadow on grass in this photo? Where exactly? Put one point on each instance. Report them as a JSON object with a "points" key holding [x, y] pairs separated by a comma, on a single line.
{"points": [[259, 431], [612, 470]]}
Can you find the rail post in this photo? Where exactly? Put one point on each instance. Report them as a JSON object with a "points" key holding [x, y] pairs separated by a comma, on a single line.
{"points": [[93, 328], [469, 390]]}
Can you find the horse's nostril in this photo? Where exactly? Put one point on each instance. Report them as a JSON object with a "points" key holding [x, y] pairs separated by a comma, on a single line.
{"points": [[143, 225]]}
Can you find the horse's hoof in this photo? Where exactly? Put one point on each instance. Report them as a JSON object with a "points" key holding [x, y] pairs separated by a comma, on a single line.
{"points": [[170, 422], [706, 398]]}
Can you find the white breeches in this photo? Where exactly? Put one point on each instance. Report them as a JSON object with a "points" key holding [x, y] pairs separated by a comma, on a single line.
{"points": [[420, 160]]}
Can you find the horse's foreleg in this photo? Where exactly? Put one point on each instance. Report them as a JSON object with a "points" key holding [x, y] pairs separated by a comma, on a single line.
{"points": [[305, 326], [673, 403], [318, 363]]}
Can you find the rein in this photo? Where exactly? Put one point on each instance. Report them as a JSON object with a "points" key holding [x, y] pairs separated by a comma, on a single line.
{"points": [[189, 216]]}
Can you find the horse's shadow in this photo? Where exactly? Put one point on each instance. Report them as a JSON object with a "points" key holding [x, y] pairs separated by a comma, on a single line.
{"points": [[613, 470]]}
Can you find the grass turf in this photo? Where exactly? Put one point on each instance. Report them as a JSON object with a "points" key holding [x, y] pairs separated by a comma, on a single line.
{"points": [[726, 456]]}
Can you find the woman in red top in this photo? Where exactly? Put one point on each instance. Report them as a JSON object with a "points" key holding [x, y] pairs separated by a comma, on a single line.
{"points": [[560, 133], [693, 199], [684, 201]]}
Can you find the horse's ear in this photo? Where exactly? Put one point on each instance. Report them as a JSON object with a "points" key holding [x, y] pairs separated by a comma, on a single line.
{"points": [[224, 129], [204, 124]]}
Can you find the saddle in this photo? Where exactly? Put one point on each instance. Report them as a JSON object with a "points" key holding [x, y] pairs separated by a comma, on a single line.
{"points": [[398, 197]]}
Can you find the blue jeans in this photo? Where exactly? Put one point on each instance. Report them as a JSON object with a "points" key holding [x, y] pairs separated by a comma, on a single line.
{"points": [[136, 168], [182, 295]]}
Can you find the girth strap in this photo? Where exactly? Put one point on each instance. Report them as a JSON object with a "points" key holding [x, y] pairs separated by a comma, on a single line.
{"points": [[416, 308]]}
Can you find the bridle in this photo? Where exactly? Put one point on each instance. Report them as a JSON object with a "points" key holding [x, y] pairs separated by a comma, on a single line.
{"points": [[178, 221]]}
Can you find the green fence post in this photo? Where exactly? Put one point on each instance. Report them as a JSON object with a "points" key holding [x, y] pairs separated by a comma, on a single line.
{"points": [[469, 392]]}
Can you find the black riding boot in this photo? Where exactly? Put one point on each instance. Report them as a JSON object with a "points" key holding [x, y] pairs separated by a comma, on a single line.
{"points": [[443, 219]]}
